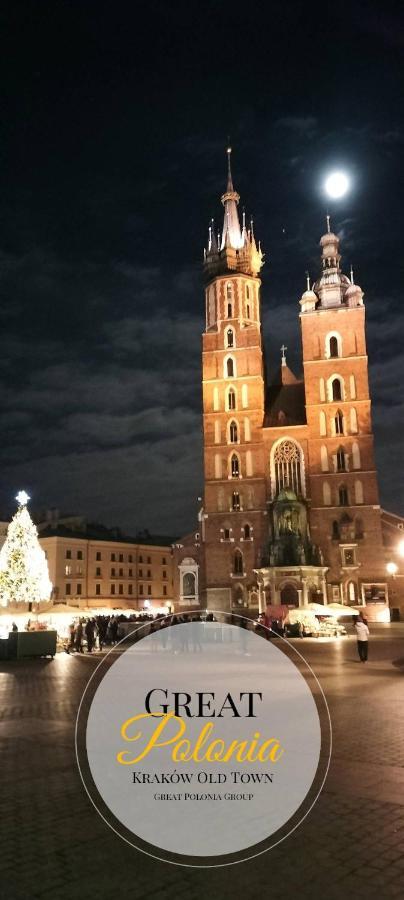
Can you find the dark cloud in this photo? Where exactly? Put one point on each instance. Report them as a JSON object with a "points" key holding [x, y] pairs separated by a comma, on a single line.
{"points": [[112, 166]]}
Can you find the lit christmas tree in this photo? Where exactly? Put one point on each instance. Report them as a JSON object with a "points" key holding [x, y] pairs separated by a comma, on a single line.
{"points": [[24, 575]]}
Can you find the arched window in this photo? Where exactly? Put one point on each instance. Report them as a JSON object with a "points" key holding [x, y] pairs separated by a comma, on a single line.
{"points": [[235, 500], [335, 531], [233, 432], [238, 563], [231, 399], [248, 311], [234, 466], [324, 458], [358, 492], [341, 460], [288, 467], [230, 367], [333, 348], [356, 457], [343, 498], [326, 494], [226, 533], [247, 291], [229, 300], [230, 337], [339, 422], [336, 389], [323, 424], [247, 532], [188, 585]]}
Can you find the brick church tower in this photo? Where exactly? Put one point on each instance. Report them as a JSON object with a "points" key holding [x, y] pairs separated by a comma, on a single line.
{"points": [[345, 513], [291, 510], [233, 377]]}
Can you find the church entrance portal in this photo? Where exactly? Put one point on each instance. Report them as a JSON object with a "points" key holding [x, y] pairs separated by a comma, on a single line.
{"points": [[289, 595]]}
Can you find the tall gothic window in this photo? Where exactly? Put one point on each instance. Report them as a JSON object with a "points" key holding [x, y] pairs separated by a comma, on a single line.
{"points": [[238, 563], [341, 460], [233, 432], [343, 495], [336, 389], [230, 368], [230, 337], [333, 347], [247, 532], [288, 467], [231, 399], [235, 466], [339, 423], [235, 500]]}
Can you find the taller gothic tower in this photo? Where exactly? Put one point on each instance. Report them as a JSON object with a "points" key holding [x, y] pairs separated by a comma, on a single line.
{"points": [[233, 410]]}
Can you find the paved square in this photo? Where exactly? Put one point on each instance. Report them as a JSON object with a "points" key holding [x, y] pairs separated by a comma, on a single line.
{"points": [[54, 845]]}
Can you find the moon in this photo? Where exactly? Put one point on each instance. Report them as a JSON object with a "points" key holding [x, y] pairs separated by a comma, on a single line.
{"points": [[336, 185]]}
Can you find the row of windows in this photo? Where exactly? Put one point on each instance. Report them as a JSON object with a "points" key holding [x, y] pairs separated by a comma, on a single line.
{"points": [[246, 532], [234, 465], [112, 589], [230, 398], [115, 557], [229, 303], [338, 423], [343, 496], [233, 435], [341, 458]]}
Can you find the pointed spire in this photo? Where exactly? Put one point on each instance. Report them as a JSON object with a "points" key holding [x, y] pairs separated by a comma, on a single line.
{"points": [[231, 236], [283, 357], [352, 278], [307, 281], [328, 224], [230, 187]]}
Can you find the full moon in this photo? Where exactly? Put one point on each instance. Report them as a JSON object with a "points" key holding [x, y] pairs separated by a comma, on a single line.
{"points": [[336, 185]]}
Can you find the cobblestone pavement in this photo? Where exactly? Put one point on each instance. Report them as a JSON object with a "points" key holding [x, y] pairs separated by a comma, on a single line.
{"points": [[54, 845]]}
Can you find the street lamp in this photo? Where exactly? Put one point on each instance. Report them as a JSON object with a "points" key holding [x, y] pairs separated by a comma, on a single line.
{"points": [[392, 569]]}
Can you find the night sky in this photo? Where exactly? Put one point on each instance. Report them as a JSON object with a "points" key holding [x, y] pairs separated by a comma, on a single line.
{"points": [[115, 120]]}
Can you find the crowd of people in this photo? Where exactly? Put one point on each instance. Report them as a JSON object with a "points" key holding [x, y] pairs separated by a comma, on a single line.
{"points": [[98, 632]]}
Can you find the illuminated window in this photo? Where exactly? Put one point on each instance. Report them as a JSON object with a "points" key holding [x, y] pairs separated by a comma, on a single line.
{"points": [[235, 466], [288, 467], [235, 500]]}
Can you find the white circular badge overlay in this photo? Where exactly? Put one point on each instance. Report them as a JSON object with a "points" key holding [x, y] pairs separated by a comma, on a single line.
{"points": [[202, 742]]}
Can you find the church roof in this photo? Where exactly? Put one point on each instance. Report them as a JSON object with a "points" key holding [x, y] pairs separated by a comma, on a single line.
{"points": [[285, 400]]}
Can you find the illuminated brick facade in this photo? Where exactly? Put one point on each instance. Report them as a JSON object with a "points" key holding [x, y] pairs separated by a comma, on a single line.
{"points": [[291, 508]]}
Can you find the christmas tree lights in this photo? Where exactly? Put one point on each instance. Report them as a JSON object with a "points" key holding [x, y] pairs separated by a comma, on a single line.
{"points": [[24, 575]]}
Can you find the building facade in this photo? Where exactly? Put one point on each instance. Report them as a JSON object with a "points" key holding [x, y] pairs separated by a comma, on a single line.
{"points": [[101, 572], [291, 510]]}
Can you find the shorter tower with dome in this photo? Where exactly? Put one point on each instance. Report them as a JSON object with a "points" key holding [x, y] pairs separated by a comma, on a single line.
{"points": [[291, 511]]}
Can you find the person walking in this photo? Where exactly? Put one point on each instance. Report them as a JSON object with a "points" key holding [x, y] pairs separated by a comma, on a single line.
{"points": [[89, 630], [362, 636], [78, 640]]}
